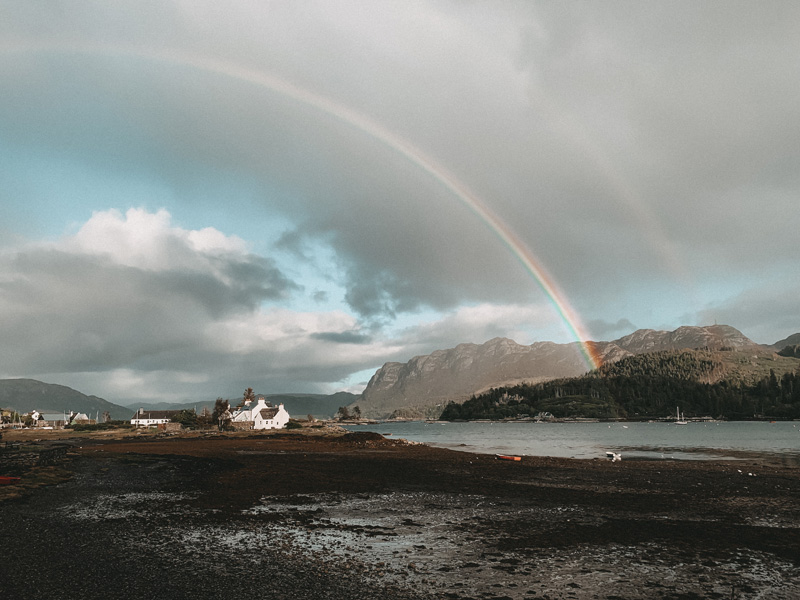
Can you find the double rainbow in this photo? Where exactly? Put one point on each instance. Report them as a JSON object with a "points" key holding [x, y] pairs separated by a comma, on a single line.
{"points": [[369, 127]]}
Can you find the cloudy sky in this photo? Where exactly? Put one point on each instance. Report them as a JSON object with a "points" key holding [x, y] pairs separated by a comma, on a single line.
{"points": [[197, 196]]}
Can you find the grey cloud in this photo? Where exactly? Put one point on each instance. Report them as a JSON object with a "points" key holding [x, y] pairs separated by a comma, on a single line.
{"points": [[64, 311], [606, 331], [255, 279], [343, 337], [765, 314]]}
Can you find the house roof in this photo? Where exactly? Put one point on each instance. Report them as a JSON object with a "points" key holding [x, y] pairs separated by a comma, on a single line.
{"points": [[155, 414], [53, 416], [268, 413]]}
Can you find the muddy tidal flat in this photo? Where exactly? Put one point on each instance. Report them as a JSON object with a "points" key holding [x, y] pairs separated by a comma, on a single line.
{"points": [[357, 516]]}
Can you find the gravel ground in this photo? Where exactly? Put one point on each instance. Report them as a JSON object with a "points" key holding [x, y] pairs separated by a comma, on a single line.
{"points": [[288, 516]]}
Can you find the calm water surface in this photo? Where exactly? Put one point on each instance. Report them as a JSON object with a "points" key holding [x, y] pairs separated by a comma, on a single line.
{"points": [[694, 441]]}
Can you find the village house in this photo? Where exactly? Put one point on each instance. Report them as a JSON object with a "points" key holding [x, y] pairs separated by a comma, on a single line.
{"points": [[152, 418], [49, 420], [45, 420], [80, 418], [261, 415]]}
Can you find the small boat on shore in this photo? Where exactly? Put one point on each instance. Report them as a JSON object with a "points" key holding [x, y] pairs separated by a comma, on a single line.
{"points": [[8, 479], [507, 457]]}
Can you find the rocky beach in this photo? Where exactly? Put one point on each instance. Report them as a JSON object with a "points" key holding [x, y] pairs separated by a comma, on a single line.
{"points": [[356, 515]]}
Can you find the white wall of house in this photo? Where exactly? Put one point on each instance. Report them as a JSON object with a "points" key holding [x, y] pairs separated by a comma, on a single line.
{"points": [[241, 415], [145, 422], [251, 413], [278, 421]]}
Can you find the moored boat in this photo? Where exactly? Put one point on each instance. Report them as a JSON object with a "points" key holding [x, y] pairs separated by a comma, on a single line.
{"points": [[507, 457]]}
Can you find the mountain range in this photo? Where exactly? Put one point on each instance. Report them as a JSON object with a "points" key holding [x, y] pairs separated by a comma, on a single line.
{"points": [[424, 385], [724, 383], [25, 395]]}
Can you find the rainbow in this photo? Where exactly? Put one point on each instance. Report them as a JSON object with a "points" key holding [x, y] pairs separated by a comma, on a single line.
{"points": [[500, 229]]}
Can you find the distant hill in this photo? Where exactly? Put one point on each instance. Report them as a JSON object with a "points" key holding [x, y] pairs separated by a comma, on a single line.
{"points": [[792, 340], [711, 336], [424, 385], [169, 406], [731, 383], [25, 395], [321, 406]]}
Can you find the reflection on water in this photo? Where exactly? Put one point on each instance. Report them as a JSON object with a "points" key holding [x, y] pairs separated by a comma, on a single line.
{"points": [[696, 441]]}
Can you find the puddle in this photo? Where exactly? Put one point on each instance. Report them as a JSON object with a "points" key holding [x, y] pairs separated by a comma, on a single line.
{"points": [[122, 506]]}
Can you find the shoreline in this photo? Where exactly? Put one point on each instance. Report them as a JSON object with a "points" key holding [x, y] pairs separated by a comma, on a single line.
{"points": [[362, 516]]}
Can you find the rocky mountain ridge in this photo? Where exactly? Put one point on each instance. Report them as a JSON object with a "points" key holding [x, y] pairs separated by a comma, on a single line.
{"points": [[712, 336], [422, 386]]}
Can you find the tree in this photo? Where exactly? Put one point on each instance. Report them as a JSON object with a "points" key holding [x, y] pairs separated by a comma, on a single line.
{"points": [[221, 414], [106, 416], [249, 394], [187, 418], [356, 412], [205, 418], [343, 413]]}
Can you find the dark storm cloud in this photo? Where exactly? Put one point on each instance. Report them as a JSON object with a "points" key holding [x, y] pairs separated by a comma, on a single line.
{"points": [[344, 337]]}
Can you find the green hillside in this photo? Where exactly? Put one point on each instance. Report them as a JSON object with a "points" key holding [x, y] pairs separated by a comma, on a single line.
{"points": [[734, 384], [25, 395]]}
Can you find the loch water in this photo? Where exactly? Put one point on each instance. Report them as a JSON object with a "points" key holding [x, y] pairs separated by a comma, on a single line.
{"points": [[772, 441]]}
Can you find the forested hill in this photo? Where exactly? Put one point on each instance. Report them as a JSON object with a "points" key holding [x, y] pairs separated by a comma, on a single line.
{"points": [[727, 383]]}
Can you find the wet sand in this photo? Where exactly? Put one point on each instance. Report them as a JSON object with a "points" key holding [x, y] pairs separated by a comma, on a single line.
{"points": [[358, 516]]}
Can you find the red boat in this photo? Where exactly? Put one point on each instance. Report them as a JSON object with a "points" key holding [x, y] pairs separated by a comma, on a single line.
{"points": [[507, 457], [8, 480]]}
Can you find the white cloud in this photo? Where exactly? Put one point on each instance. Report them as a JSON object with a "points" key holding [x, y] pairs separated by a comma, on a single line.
{"points": [[148, 241], [125, 292]]}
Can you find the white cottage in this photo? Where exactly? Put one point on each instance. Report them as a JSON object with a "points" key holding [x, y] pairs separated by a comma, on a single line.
{"points": [[79, 418], [151, 418], [260, 415]]}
